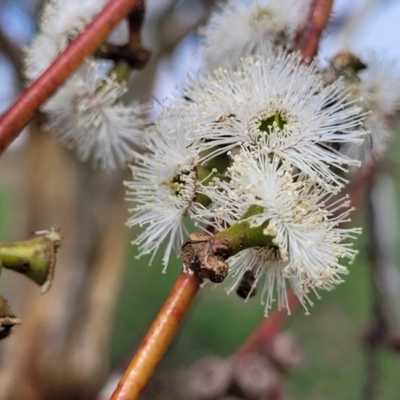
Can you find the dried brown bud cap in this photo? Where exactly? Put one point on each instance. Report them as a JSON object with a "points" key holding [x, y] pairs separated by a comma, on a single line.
{"points": [[201, 255]]}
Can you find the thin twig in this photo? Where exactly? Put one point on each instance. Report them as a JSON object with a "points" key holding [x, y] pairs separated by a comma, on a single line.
{"points": [[307, 40], [268, 328], [135, 23], [378, 330], [158, 338], [361, 183], [300, 33], [133, 54], [23, 110]]}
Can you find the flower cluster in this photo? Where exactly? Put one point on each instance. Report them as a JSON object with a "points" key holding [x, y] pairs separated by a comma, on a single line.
{"points": [[257, 130]]}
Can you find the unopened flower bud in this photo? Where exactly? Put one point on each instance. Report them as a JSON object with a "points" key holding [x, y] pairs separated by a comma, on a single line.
{"points": [[34, 258]]}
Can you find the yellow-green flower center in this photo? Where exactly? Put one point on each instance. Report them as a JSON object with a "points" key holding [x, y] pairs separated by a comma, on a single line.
{"points": [[270, 121]]}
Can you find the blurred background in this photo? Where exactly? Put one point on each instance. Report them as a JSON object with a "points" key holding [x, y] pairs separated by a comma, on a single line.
{"points": [[76, 339]]}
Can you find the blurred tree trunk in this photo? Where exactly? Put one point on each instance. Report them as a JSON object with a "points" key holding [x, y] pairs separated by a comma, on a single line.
{"points": [[61, 350]]}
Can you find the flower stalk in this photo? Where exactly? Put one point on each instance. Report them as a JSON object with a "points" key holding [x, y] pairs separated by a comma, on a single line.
{"points": [[131, 56], [158, 338], [243, 235]]}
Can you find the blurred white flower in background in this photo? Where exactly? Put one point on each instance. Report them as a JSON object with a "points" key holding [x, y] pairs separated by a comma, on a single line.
{"points": [[237, 28], [60, 22], [86, 113], [380, 92], [88, 116]]}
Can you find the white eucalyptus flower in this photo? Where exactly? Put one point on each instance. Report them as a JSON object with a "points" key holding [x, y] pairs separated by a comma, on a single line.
{"points": [[86, 115], [284, 102], [165, 187], [301, 219], [237, 28]]}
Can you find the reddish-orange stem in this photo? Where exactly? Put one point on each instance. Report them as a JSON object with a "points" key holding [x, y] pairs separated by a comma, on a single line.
{"points": [[321, 10], [23, 110], [268, 328], [158, 338]]}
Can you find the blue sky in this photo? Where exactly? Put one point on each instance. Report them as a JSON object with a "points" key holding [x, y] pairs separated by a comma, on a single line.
{"points": [[379, 29]]}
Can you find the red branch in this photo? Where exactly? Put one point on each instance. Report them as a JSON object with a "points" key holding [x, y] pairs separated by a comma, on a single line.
{"points": [[23, 110], [307, 39], [268, 328], [158, 338], [362, 183]]}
